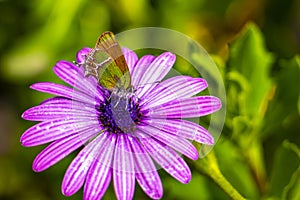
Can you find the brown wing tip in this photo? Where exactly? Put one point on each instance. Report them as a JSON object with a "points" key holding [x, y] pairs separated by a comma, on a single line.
{"points": [[106, 39], [106, 33]]}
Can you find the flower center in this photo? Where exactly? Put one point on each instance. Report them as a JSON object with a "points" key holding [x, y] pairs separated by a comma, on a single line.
{"points": [[119, 114]]}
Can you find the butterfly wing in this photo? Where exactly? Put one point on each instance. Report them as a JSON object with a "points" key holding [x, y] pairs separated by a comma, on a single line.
{"points": [[108, 63]]}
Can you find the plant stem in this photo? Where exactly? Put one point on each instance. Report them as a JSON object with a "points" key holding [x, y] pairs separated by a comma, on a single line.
{"points": [[209, 167]]}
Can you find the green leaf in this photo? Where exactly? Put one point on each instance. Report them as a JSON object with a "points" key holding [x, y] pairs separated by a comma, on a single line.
{"points": [[283, 107], [298, 62], [250, 63], [281, 182], [292, 190], [197, 188]]}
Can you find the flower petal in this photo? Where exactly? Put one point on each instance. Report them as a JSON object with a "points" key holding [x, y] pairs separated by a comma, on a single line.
{"points": [[130, 57], [63, 110], [156, 71], [163, 87], [49, 131], [181, 145], [177, 87], [67, 72], [183, 129], [166, 157], [80, 56], [60, 90], [145, 171], [123, 169], [184, 108], [140, 68], [76, 173], [57, 100], [158, 68], [99, 174], [71, 74], [61, 148]]}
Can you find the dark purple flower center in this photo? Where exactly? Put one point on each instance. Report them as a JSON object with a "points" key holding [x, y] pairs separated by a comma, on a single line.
{"points": [[119, 114]]}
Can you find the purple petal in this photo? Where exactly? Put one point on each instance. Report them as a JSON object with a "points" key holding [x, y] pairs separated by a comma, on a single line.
{"points": [[60, 90], [59, 149], [181, 145], [184, 108], [146, 173], [97, 183], [54, 111], [167, 158], [57, 100], [123, 169], [158, 68], [156, 71], [71, 74], [80, 56], [68, 72], [77, 171], [140, 68], [163, 87], [49, 131], [130, 57], [183, 129], [99, 174], [177, 87]]}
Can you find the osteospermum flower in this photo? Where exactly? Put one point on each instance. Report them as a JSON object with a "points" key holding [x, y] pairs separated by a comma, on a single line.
{"points": [[125, 141]]}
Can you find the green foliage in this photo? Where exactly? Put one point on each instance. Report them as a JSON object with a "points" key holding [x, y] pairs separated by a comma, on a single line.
{"points": [[255, 112], [285, 181], [257, 155], [248, 80], [283, 106], [292, 190], [249, 66]]}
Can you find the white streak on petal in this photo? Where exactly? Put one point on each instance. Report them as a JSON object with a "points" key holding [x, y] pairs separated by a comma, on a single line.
{"points": [[76, 173], [185, 108], [99, 174], [181, 145], [145, 171], [167, 158], [123, 169]]}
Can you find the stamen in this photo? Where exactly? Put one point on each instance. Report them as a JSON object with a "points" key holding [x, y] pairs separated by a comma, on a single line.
{"points": [[119, 114]]}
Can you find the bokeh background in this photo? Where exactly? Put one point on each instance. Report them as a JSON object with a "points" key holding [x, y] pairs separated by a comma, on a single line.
{"points": [[255, 43]]}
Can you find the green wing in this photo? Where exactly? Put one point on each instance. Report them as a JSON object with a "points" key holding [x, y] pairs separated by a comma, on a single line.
{"points": [[108, 63]]}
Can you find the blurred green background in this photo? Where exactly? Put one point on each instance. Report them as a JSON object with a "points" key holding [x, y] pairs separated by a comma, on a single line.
{"points": [[255, 43]]}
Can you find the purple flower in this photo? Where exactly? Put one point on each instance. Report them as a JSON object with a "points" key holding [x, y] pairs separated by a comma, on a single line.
{"points": [[121, 141]]}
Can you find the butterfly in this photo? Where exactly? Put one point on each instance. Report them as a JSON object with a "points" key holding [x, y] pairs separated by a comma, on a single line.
{"points": [[107, 64]]}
